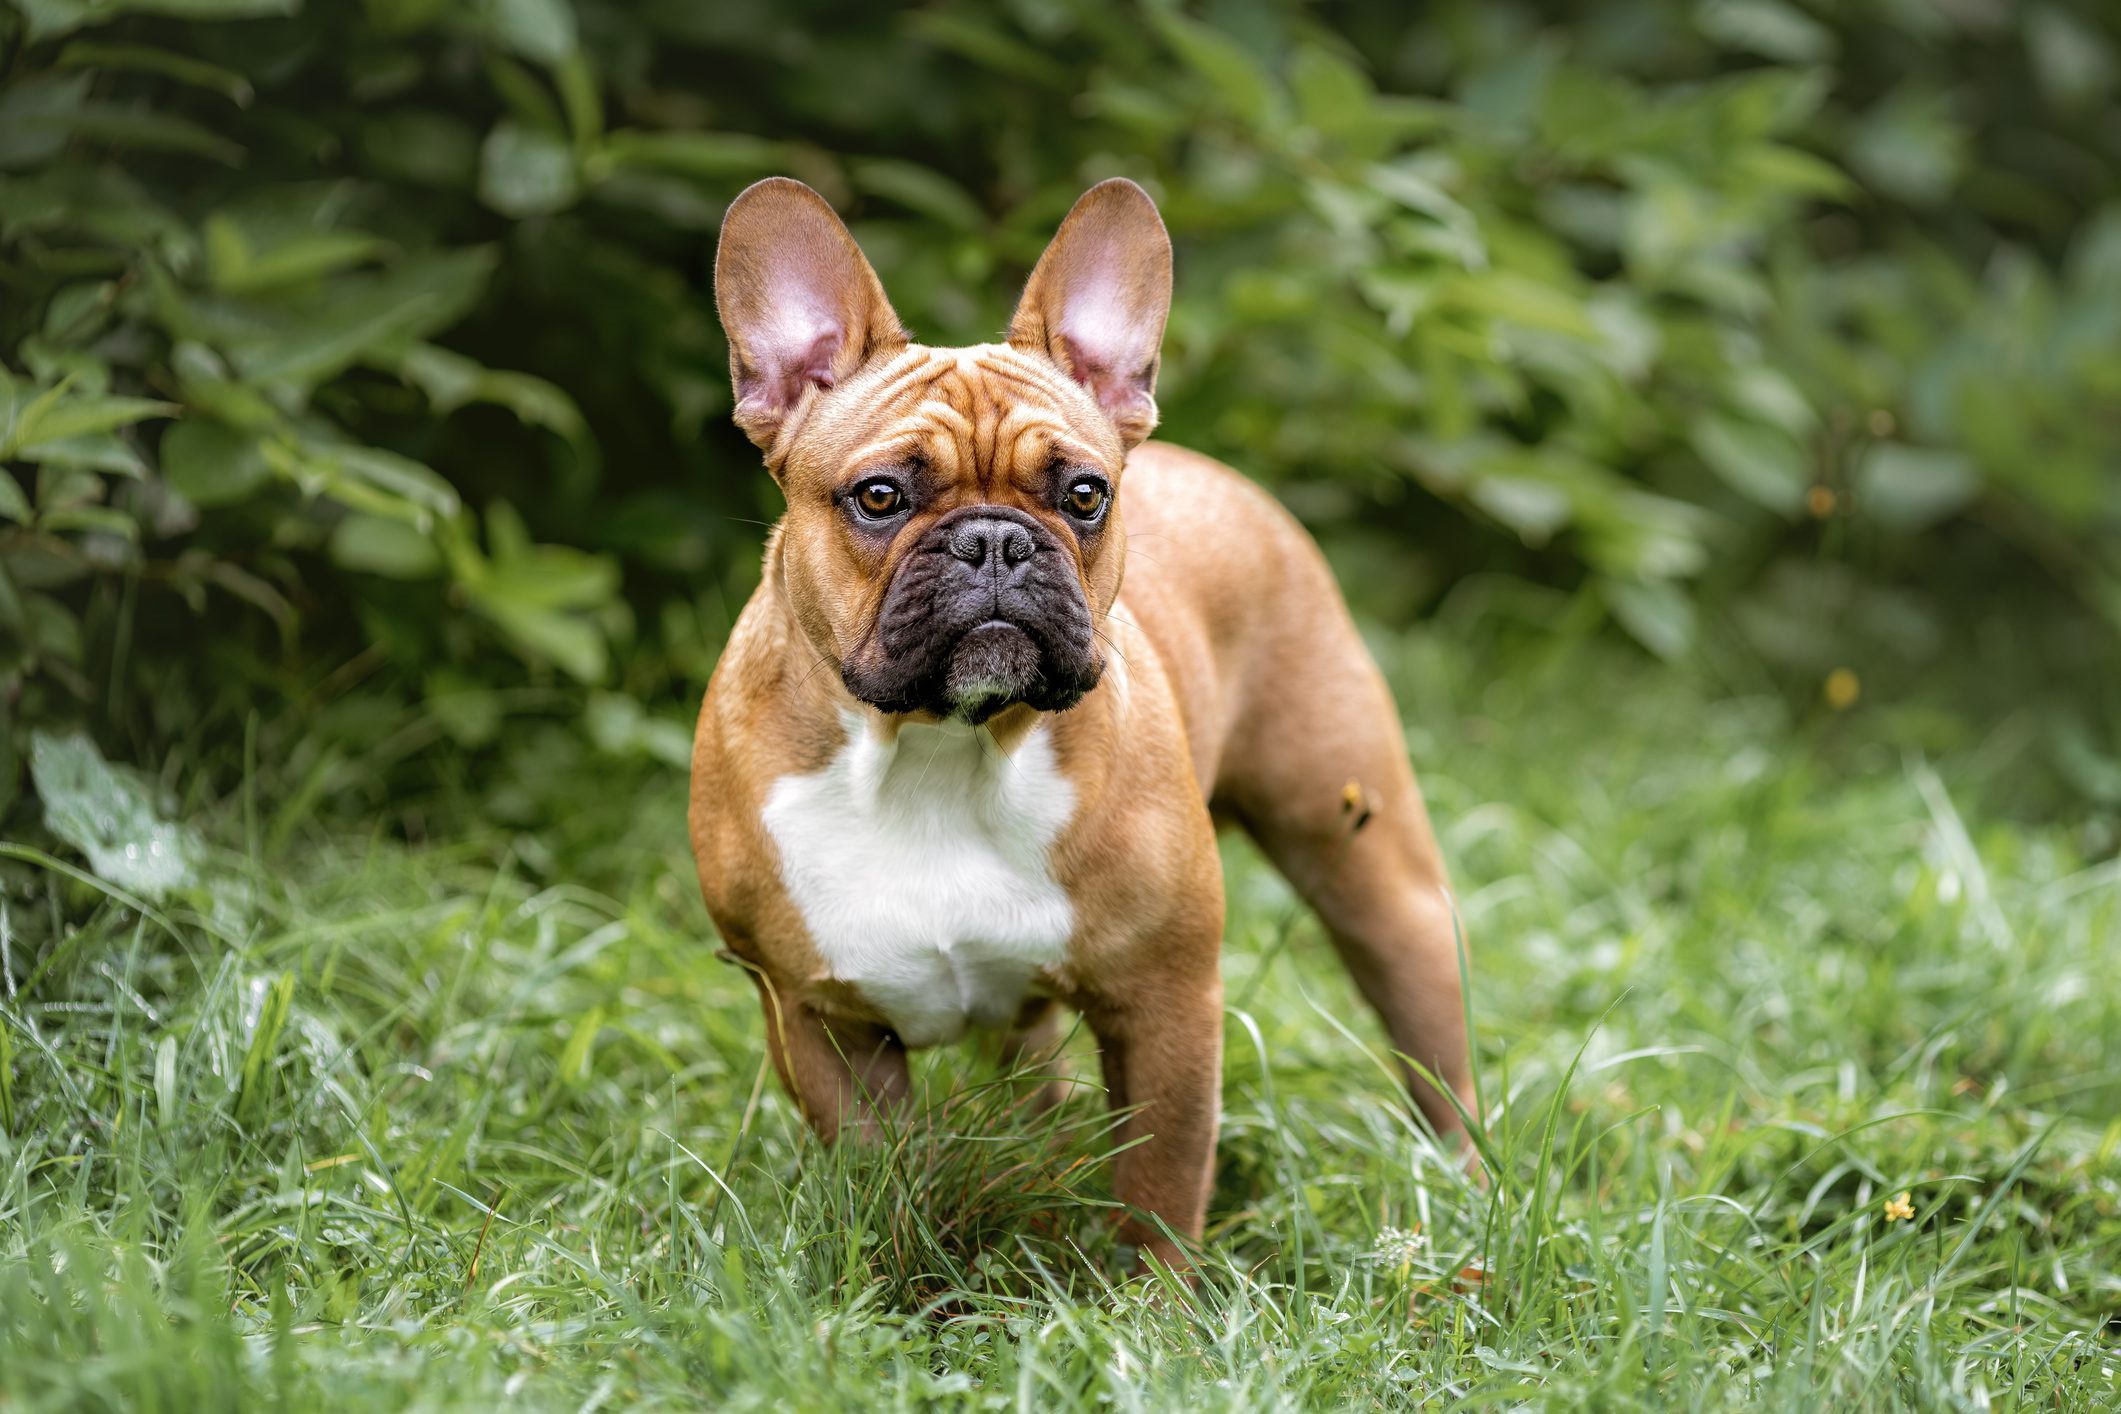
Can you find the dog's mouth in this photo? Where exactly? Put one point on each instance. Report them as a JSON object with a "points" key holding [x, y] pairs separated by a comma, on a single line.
{"points": [[995, 662], [987, 669]]}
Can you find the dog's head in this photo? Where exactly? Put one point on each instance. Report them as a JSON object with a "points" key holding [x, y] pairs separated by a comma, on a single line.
{"points": [[953, 531]]}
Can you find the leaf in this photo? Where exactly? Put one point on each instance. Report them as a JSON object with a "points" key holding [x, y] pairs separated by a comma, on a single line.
{"points": [[1415, 191], [209, 463], [237, 267], [576, 78], [59, 486], [2074, 63], [1635, 535], [1909, 489], [621, 726], [368, 479], [142, 128], [549, 577], [1656, 613], [530, 590], [79, 310], [919, 189], [382, 545], [523, 172], [303, 340], [101, 202], [13, 504], [108, 816], [1762, 464], [141, 58], [1332, 94], [94, 518], [1774, 166], [1519, 299], [1769, 28], [49, 625], [539, 30], [52, 417], [451, 380], [31, 108], [203, 379], [571, 644], [1534, 508], [51, 18], [1770, 396], [91, 451], [1231, 71], [415, 482], [1908, 146]]}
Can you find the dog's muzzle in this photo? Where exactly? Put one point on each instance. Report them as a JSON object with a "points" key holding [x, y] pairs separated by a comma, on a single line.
{"points": [[985, 612]]}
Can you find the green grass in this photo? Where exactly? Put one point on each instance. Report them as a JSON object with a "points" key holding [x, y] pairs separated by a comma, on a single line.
{"points": [[367, 1123]]}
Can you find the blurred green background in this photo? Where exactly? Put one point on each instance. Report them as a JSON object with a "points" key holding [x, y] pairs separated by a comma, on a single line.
{"points": [[364, 355]]}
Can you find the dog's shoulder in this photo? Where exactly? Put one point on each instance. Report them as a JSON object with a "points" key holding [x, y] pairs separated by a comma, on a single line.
{"points": [[1169, 487]]}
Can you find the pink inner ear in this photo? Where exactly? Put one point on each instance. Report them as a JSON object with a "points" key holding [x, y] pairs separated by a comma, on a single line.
{"points": [[783, 374], [1118, 391]]}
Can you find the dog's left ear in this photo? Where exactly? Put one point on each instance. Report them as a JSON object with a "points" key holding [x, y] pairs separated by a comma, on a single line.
{"points": [[1097, 300]]}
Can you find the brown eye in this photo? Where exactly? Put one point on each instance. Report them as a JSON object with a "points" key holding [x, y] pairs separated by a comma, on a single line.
{"points": [[1085, 499], [879, 500]]}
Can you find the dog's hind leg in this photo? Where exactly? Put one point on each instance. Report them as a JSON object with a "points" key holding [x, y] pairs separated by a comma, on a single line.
{"points": [[1316, 769]]}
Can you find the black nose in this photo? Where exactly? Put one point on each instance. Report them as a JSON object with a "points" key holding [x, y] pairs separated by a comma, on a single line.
{"points": [[975, 539]]}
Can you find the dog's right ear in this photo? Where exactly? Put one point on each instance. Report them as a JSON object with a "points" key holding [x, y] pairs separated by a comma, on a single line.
{"points": [[798, 300]]}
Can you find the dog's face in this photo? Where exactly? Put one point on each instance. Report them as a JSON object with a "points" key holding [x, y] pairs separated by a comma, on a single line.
{"points": [[953, 535]]}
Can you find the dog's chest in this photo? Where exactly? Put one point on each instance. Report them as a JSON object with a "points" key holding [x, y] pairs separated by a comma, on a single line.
{"points": [[921, 868]]}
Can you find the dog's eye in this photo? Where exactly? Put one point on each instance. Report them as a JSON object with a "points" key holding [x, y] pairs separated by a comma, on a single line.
{"points": [[1085, 498], [879, 500]]}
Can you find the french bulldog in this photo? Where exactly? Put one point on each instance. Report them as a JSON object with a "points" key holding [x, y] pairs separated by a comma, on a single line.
{"points": [[1009, 666]]}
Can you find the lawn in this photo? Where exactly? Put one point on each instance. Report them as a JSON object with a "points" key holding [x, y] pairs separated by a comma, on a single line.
{"points": [[1799, 1056]]}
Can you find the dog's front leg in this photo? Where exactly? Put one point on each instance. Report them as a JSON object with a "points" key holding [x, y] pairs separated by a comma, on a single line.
{"points": [[840, 1073], [1162, 1055]]}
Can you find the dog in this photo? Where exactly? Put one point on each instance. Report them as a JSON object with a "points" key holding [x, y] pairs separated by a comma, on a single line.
{"points": [[965, 754]]}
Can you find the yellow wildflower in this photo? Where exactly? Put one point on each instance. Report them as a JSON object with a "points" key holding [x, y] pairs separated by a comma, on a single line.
{"points": [[1900, 1209], [1842, 689]]}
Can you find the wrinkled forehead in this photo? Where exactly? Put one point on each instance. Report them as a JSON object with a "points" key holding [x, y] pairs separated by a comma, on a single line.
{"points": [[987, 411]]}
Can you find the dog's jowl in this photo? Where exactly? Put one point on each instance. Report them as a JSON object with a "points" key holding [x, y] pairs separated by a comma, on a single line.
{"points": [[1008, 665]]}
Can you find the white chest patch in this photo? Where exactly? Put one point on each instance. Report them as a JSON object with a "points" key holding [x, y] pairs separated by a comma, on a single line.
{"points": [[921, 870]]}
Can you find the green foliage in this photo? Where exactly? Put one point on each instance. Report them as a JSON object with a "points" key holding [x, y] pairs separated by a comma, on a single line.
{"points": [[390, 326]]}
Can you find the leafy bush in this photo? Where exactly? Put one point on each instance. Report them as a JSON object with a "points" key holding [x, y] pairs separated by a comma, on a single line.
{"points": [[337, 337]]}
